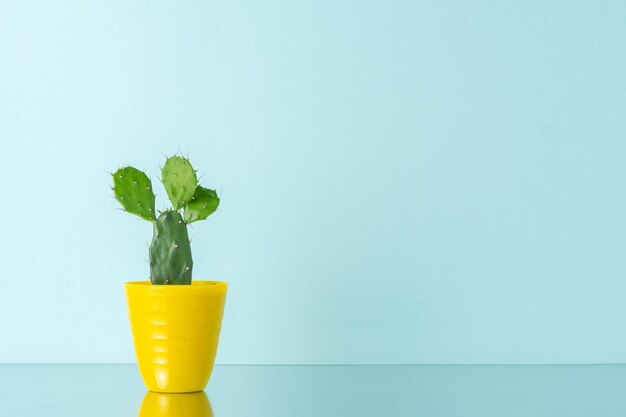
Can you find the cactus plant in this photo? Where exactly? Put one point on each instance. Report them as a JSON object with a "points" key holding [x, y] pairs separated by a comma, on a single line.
{"points": [[170, 249]]}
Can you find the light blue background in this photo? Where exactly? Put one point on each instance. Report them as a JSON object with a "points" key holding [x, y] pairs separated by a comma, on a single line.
{"points": [[402, 182]]}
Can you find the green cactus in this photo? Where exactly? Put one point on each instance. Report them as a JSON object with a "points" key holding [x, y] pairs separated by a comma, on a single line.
{"points": [[133, 189], [179, 180], [203, 203], [170, 250]]}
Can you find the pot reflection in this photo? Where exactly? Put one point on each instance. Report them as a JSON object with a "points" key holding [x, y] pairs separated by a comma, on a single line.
{"points": [[157, 404]]}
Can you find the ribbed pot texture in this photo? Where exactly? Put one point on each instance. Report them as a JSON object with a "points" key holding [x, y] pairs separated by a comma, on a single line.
{"points": [[176, 330]]}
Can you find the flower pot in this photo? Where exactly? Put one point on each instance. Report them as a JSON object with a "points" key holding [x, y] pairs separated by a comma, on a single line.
{"points": [[176, 329]]}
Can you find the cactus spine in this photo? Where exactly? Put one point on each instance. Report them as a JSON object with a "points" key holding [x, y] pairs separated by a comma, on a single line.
{"points": [[170, 250]]}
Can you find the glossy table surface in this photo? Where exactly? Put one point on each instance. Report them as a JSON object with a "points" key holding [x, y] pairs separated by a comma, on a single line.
{"points": [[433, 390]]}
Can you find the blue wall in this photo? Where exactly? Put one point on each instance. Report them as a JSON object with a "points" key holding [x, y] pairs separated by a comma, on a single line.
{"points": [[402, 182]]}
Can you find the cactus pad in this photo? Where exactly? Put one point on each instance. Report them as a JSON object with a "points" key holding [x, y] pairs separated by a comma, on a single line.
{"points": [[170, 251], [180, 181], [133, 190], [203, 203]]}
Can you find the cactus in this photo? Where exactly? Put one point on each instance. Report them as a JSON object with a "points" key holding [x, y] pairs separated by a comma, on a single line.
{"points": [[133, 189], [203, 203], [179, 180], [170, 249]]}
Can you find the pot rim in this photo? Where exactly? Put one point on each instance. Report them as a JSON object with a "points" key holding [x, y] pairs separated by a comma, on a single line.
{"points": [[195, 286]]}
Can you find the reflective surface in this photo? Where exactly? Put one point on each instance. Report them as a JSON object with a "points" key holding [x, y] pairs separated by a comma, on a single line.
{"points": [[158, 404], [116, 390]]}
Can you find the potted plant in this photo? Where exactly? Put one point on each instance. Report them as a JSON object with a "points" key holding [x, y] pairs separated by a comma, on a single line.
{"points": [[175, 321]]}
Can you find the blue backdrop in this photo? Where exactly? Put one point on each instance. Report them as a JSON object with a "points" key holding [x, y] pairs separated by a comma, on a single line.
{"points": [[401, 181]]}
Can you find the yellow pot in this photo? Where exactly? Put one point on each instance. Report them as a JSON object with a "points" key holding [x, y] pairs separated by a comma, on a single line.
{"points": [[176, 329]]}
